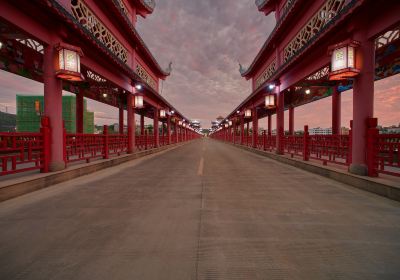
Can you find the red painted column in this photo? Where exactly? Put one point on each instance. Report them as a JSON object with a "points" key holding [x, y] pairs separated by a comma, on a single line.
{"points": [[155, 129], [255, 128], [280, 121], [121, 120], [291, 120], [53, 108], [336, 111], [241, 130], [269, 124], [131, 124], [141, 124], [176, 130], [79, 112], [168, 129], [363, 102]]}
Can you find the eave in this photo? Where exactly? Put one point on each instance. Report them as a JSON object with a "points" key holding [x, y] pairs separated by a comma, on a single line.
{"points": [[131, 30], [266, 6], [145, 5]]}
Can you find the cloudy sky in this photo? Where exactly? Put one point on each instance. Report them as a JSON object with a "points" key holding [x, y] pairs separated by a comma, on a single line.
{"points": [[205, 40]]}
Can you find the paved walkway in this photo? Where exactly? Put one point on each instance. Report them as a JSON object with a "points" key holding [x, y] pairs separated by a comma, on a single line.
{"points": [[206, 210]]}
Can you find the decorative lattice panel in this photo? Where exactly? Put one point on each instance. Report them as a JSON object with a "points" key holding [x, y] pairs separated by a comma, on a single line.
{"points": [[93, 76], [319, 75], [286, 6], [313, 26], [387, 38], [32, 44], [87, 18], [268, 72], [142, 73], [123, 8]]}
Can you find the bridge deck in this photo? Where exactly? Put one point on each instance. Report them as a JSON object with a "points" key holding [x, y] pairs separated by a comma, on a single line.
{"points": [[206, 210]]}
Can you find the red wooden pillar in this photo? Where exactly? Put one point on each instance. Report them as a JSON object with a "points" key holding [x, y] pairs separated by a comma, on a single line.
{"points": [[234, 132], [121, 120], [280, 121], [79, 112], [162, 134], [53, 108], [291, 120], [241, 130], [255, 128], [336, 111], [363, 102], [155, 129], [168, 129], [131, 124], [176, 131], [141, 124], [269, 124]]}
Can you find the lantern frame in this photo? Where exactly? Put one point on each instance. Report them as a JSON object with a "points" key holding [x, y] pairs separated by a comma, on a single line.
{"points": [[138, 101], [270, 101], [66, 70], [347, 69], [163, 113], [247, 113]]}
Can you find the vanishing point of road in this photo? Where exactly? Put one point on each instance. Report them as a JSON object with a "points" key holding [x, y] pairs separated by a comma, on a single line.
{"points": [[206, 210]]}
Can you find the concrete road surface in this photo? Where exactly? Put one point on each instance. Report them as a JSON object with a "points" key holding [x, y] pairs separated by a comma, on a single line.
{"points": [[206, 210]]}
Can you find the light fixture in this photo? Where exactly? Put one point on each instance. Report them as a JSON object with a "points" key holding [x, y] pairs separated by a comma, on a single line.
{"points": [[237, 112], [271, 86], [343, 60], [172, 112], [247, 113], [163, 113], [270, 101], [138, 86], [230, 123], [104, 95], [226, 125], [139, 101], [179, 122], [307, 91], [69, 63], [1, 44]]}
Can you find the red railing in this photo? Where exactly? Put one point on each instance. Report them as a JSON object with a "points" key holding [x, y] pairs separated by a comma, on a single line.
{"points": [[85, 147], [293, 144], [387, 154], [330, 148], [21, 152]]}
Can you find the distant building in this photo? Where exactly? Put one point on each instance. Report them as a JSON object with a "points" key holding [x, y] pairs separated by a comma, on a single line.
{"points": [[393, 129], [195, 124], [8, 122], [320, 131], [344, 130], [31, 108]]}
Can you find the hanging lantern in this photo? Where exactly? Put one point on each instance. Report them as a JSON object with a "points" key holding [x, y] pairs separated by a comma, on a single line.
{"points": [[343, 60], [226, 125], [163, 113], [247, 113], [179, 122], [230, 123], [270, 101], [138, 101], [69, 63]]}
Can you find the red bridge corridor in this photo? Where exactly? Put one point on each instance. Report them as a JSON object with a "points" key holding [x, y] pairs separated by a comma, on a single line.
{"points": [[114, 167]]}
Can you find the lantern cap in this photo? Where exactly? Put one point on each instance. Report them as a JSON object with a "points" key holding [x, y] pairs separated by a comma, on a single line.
{"points": [[63, 45], [348, 42]]}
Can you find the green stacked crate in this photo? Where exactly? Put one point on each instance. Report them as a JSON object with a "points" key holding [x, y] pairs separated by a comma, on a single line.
{"points": [[88, 125], [69, 113], [28, 114]]}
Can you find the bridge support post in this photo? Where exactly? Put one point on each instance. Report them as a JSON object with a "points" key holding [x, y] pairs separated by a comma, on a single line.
{"points": [[291, 120], [241, 130], [363, 102], [142, 125], [176, 131], [155, 129], [255, 128], [53, 108], [131, 124], [269, 124], [168, 130], [280, 122], [79, 112], [121, 119], [336, 111]]}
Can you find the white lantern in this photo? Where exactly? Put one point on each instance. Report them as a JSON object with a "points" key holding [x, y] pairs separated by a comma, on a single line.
{"points": [[226, 125], [247, 113], [230, 123], [343, 61], [270, 101], [69, 63], [163, 113], [180, 123], [139, 101]]}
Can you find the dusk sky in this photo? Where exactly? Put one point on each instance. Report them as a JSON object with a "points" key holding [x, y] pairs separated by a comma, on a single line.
{"points": [[205, 40]]}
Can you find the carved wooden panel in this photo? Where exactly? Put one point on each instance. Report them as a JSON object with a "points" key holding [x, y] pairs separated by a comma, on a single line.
{"points": [[89, 20], [142, 73], [268, 72]]}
